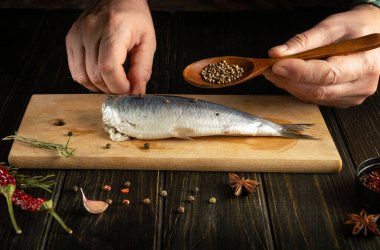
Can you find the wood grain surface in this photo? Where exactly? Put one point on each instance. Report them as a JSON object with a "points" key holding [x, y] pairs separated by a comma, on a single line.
{"points": [[289, 211], [81, 115]]}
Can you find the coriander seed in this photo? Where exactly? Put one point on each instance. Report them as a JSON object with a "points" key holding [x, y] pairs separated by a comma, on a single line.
{"points": [[191, 198], [127, 183], [212, 200], [75, 188], [222, 72], [146, 145], [164, 193], [109, 201]]}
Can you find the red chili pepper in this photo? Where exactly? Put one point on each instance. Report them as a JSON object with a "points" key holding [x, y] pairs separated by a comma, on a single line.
{"points": [[7, 188], [28, 203]]}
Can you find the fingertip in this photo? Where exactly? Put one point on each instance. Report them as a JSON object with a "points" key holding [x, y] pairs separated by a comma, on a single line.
{"points": [[280, 70], [138, 77], [138, 89], [279, 50]]}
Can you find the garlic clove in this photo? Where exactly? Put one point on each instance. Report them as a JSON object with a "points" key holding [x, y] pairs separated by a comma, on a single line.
{"points": [[94, 207]]}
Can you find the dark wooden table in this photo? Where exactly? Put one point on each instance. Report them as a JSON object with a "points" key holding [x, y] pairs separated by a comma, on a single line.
{"points": [[289, 211]]}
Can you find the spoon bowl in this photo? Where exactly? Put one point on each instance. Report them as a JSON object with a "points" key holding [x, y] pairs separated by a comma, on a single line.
{"points": [[256, 66]]}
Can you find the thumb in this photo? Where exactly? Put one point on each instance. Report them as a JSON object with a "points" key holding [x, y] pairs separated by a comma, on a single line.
{"points": [[310, 39]]}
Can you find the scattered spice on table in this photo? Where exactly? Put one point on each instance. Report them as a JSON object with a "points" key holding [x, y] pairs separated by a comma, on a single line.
{"points": [[63, 150], [70, 133], [126, 202], [146, 201], [196, 190], [109, 201], [191, 198], [106, 188], [146, 145], [363, 223], [93, 206], [212, 200], [181, 210], [75, 188], [372, 180], [127, 184], [124, 190], [108, 146], [28, 203], [164, 193], [241, 185], [222, 72]]}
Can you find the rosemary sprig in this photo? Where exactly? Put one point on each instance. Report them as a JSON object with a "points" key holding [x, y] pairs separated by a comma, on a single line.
{"points": [[63, 150], [26, 181]]}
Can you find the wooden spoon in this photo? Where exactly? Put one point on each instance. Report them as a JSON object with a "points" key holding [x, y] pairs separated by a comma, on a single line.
{"points": [[256, 66]]}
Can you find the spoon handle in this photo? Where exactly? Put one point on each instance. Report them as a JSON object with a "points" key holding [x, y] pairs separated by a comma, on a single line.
{"points": [[360, 44]]}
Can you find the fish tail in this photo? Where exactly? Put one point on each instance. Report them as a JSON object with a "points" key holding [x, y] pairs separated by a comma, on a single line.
{"points": [[293, 131]]}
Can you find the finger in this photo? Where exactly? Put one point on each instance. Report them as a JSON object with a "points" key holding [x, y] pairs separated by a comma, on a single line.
{"points": [[324, 72], [79, 68], [92, 67], [315, 37], [141, 65], [343, 94], [70, 59], [112, 55]]}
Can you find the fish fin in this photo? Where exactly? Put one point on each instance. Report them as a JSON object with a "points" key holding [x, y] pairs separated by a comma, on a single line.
{"points": [[183, 133], [293, 131], [295, 135], [297, 127]]}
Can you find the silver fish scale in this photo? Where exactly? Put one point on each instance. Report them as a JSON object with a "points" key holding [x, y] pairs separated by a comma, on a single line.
{"points": [[157, 117]]}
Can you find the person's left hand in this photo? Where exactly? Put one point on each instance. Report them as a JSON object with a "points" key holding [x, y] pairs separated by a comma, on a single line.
{"points": [[339, 81]]}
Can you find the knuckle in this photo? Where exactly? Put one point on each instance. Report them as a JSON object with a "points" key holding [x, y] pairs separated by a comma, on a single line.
{"points": [[302, 40], [147, 72], [81, 78], [94, 77], [331, 76], [319, 94], [106, 68], [114, 18]]}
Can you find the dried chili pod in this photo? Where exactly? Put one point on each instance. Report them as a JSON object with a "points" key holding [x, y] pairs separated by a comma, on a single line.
{"points": [[28, 203], [7, 188]]}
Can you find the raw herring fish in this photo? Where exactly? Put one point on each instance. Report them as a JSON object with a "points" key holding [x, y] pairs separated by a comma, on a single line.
{"points": [[151, 117]]}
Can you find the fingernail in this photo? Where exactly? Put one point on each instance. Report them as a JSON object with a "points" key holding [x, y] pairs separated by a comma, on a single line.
{"points": [[281, 48], [279, 70]]}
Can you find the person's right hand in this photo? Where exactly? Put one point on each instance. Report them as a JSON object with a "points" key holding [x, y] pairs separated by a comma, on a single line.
{"points": [[100, 40]]}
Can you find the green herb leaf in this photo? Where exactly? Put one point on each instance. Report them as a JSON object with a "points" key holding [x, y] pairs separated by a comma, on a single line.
{"points": [[63, 150]]}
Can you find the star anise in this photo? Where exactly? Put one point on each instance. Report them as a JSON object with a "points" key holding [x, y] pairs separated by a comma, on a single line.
{"points": [[363, 222], [240, 185]]}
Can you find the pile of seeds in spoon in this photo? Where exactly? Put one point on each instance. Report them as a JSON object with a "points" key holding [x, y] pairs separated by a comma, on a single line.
{"points": [[222, 72]]}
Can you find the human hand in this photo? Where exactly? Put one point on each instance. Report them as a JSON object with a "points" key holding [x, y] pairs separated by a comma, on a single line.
{"points": [[100, 40], [339, 81]]}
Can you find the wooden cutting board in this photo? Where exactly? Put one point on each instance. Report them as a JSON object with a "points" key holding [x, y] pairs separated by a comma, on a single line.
{"points": [[81, 115]]}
